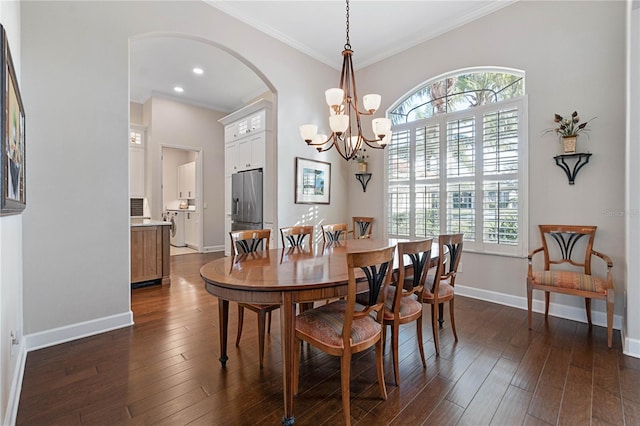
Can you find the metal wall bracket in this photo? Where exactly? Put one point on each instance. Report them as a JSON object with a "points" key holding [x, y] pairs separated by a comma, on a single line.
{"points": [[571, 171], [364, 179]]}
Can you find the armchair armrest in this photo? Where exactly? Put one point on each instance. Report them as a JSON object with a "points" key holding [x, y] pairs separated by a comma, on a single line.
{"points": [[532, 252], [604, 257], [530, 260]]}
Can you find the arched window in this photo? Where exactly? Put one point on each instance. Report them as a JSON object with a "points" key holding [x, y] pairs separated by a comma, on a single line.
{"points": [[456, 161]]}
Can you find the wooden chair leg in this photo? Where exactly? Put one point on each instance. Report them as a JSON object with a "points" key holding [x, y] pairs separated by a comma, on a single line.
{"points": [[434, 327], [380, 369], [345, 378], [395, 331], [420, 341], [261, 326], [547, 296], [269, 319], [240, 321], [453, 321], [529, 303], [587, 305], [610, 299], [297, 347]]}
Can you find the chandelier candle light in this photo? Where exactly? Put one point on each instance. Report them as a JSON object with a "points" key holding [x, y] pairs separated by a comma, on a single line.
{"points": [[344, 115]]}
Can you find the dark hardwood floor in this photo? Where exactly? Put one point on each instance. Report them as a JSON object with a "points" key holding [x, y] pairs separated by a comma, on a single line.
{"points": [[164, 370]]}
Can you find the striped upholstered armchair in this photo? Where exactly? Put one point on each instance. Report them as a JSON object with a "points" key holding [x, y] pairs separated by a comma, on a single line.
{"points": [[571, 247]]}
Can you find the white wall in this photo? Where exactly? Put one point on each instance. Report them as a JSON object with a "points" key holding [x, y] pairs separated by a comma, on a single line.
{"points": [[171, 159], [570, 64], [632, 320], [191, 127], [76, 239], [11, 244]]}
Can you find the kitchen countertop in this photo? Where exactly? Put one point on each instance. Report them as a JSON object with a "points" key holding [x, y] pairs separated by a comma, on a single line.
{"points": [[149, 222]]}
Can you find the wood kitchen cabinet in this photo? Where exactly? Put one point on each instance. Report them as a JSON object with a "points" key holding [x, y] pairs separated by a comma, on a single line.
{"points": [[150, 253]]}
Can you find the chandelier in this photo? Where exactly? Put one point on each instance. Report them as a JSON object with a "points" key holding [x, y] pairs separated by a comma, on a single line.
{"points": [[344, 115]]}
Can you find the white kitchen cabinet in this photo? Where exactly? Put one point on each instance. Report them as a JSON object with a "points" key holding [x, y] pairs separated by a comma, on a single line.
{"points": [[252, 123], [187, 181], [136, 172], [251, 151], [190, 233], [249, 145], [231, 159]]}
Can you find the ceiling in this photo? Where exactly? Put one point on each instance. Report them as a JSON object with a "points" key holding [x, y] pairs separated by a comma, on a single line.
{"points": [[377, 30]]}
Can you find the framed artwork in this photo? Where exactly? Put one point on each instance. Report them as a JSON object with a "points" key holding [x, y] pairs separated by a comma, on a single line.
{"points": [[313, 181], [12, 133]]}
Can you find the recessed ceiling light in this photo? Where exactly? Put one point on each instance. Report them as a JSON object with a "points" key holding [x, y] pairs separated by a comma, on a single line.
{"points": [[178, 89], [198, 70]]}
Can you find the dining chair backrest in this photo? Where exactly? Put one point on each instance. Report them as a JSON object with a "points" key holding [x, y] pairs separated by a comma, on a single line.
{"points": [[334, 232], [295, 235], [362, 227], [559, 243], [250, 240], [417, 255], [377, 266], [450, 253]]}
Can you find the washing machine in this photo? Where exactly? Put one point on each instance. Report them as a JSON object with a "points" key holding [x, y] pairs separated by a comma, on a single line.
{"points": [[176, 217]]}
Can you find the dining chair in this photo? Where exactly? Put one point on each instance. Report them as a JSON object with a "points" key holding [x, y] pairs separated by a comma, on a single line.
{"points": [[362, 227], [439, 287], [344, 327], [403, 302], [570, 245], [295, 235], [334, 232], [248, 241]]}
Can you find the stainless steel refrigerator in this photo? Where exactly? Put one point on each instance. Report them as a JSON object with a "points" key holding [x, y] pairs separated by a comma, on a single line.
{"points": [[246, 200]]}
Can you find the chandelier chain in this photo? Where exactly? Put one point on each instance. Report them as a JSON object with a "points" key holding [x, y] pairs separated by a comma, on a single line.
{"points": [[348, 43]]}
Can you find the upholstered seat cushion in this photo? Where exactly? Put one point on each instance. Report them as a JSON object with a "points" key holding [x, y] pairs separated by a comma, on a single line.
{"points": [[445, 291], [324, 324], [409, 305], [570, 280]]}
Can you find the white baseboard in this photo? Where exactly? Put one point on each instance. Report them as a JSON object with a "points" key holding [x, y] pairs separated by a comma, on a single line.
{"points": [[210, 249], [556, 310], [16, 386], [67, 333], [630, 347]]}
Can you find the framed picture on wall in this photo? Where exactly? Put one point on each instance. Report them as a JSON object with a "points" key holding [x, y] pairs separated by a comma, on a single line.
{"points": [[313, 181], [12, 132]]}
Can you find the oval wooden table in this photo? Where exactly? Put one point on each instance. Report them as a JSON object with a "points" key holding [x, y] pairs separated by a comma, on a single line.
{"points": [[285, 277]]}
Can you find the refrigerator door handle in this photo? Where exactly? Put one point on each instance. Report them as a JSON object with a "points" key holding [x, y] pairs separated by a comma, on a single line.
{"points": [[234, 207]]}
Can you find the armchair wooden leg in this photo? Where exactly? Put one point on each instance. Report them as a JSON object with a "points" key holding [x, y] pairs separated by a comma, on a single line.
{"points": [[380, 369], [240, 321], [547, 296], [345, 378], [587, 305], [610, 299], [453, 321], [529, 302]]}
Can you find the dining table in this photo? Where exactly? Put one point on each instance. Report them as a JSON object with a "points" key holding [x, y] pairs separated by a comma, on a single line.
{"points": [[285, 276]]}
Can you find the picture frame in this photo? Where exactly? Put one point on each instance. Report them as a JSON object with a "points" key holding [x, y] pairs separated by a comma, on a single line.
{"points": [[313, 182], [12, 134]]}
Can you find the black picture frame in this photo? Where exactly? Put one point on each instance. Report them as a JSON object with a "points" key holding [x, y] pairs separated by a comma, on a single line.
{"points": [[12, 133], [313, 182]]}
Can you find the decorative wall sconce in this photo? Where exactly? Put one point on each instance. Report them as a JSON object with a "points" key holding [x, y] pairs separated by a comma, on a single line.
{"points": [[364, 179], [580, 158]]}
